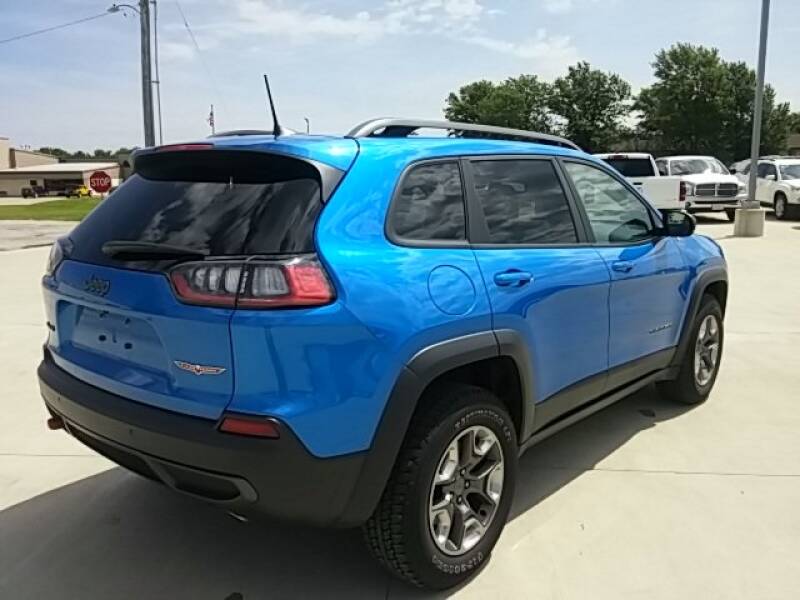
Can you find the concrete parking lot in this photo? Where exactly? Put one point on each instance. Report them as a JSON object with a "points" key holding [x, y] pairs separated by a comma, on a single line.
{"points": [[643, 500], [17, 235]]}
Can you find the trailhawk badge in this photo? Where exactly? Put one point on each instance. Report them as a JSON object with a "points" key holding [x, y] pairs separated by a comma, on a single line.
{"points": [[199, 369]]}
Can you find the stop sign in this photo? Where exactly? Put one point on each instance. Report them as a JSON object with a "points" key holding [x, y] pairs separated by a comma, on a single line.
{"points": [[100, 181]]}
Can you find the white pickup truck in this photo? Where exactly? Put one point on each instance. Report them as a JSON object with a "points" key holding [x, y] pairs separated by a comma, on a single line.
{"points": [[693, 183], [640, 169], [707, 184]]}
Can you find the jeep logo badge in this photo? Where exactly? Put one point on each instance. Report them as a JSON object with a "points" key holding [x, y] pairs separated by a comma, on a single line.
{"points": [[95, 285]]}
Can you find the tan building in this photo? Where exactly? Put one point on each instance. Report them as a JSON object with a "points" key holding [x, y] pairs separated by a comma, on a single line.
{"points": [[53, 178], [44, 173], [794, 144], [11, 158]]}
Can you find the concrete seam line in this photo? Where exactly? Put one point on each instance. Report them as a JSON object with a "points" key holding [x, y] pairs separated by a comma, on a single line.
{"points": [[668, 472]]}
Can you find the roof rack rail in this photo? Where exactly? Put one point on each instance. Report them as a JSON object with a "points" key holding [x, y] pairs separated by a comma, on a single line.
{"points": [[389, 127]]}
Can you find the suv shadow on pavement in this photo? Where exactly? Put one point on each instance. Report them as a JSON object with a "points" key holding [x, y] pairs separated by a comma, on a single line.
{"points": [[117, 535]]}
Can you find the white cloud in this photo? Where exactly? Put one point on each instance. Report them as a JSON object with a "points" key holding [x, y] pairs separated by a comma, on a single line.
{"points": [[460, 20], [175, 51], [556, 49], [558, 6], [255, 16]]}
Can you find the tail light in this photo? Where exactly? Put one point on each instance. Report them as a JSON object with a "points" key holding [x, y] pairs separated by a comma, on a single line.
{"points": [[682, 193], [250, 426], [292, 282], [183, 147]]}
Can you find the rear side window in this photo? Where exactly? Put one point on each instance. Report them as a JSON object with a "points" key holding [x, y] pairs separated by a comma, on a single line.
{"points": [[226, 203], [523, 202], [632, 167], [430, 204]]}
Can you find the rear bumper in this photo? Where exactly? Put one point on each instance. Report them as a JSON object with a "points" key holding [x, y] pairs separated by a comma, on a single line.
{"points": [[250, 476]]}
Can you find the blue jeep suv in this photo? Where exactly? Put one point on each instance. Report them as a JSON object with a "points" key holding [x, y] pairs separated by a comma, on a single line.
{"points": [[368, 330]]}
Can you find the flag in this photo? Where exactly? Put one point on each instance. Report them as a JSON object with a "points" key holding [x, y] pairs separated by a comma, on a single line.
{"points": [[211, 118]]}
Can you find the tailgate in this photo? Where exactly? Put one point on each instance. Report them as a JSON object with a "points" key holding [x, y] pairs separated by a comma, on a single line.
{"points": [[123, 331]]}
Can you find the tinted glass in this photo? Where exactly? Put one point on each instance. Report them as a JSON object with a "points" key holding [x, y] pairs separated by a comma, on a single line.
{"points": [[765, 169], [615, 214], [431, 204], [523, 202], [791, 171], [266, 207], [632, 167], [694, 166]]}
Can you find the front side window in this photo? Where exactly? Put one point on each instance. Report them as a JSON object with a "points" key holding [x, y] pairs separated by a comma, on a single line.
{"points": [[430, 205], [765, 169], [523, 202], [790, 171], [615, 214]]}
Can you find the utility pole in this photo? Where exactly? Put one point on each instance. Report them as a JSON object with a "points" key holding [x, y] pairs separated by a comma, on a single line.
{"points": [[157, 80], [750, 218], [147, 78]]}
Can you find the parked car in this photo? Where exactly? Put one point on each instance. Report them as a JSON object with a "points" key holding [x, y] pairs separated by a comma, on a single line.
{"points": [[641, 170], [709, 186], [369, 330], [777, 185], [78, 191], [34, 191]]}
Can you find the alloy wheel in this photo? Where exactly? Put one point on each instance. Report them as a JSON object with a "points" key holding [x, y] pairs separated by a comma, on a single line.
{"points": [[780, 207], [466, 490], [706, 354]]}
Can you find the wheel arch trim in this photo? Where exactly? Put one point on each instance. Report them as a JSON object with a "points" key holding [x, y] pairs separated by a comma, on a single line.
{"points": [[713, 275], [423, 368]]}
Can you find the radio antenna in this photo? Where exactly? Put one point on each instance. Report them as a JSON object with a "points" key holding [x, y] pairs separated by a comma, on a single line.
{"points": [[276, 127]]}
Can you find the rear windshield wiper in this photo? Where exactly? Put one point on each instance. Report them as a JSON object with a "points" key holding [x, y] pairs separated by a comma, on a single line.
{"points": [[133, 250]]}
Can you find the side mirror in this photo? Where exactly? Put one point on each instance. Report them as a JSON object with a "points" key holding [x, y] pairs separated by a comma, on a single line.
{"points": [[678, 223], [732, 170], [769, 177]]}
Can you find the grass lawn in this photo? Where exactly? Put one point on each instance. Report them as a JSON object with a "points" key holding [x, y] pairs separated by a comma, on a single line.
{"points": [[57, 210]]}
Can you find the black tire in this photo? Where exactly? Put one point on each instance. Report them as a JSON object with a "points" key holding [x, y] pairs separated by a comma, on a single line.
{"points": [[731, 214], [782, 212], [685, 388], [399, 532]]}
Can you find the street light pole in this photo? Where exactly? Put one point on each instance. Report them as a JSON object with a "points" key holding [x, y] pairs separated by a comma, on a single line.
{"points": [[750, 218], [147, 78]]}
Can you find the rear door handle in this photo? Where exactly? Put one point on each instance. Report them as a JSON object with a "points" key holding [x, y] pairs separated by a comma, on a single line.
{"points": [[622, 266], [513, 278]]}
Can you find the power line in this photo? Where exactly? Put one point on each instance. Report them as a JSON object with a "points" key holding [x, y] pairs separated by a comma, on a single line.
{"points": [[54, 28], [200, 55]]}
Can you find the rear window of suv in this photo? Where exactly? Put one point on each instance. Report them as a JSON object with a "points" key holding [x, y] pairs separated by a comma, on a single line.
{"points": [[632, 167], [228, 203]]}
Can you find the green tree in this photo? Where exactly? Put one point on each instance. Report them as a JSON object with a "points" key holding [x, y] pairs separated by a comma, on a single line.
{"points": [[592, 105], [703, 104], [52, 151], [682, 112], [794, 122], [519, 102], [100, 153]]}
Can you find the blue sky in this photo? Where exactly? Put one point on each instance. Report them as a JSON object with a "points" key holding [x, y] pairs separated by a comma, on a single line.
{"points": [[339, 63]]}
